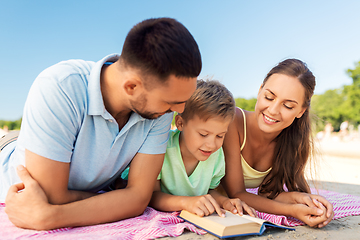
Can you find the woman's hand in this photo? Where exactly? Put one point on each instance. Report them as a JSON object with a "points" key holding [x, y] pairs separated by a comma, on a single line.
{"points": [[203, 205], [235, 205], [312, 200], [329, 208], [312, 216]]}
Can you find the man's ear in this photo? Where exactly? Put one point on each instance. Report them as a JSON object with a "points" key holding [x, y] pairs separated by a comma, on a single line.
{"points": [[301, 113], [132, 86], [179, 122]]}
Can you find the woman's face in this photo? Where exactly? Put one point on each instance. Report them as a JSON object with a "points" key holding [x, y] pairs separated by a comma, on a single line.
{"points": [[279, 102]]}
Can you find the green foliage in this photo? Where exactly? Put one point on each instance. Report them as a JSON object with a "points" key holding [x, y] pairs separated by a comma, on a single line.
{"points": [[326, 107], [246, 104], [355, 74], [336, 106], [12, 125]]}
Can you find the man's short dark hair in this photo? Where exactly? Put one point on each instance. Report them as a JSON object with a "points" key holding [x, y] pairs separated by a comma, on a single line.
{"points": [[161, 47]]}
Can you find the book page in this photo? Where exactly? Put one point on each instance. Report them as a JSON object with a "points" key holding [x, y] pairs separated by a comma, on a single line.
{"points": [[250, 218], [230, 219]]}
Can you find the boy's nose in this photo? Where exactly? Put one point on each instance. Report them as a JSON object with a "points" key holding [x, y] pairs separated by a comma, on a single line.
{"points": [[211, 143]]}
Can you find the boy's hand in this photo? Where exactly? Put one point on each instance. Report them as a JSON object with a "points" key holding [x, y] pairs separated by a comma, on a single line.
{"points": [[203, 206], [236, 206]]}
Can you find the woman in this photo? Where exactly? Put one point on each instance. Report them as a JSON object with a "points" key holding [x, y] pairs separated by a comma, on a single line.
{"points": [[269, 148]]}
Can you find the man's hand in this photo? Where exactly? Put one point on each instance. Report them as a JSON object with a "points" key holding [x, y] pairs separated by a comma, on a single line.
{"points": [[203, 205], [26, 202]]}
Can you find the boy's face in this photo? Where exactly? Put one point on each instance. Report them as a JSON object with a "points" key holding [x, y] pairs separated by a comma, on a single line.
{"points": [[199, 138]]}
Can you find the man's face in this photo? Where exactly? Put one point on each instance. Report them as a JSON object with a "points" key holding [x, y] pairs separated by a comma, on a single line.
{"points": [[164, 98]]}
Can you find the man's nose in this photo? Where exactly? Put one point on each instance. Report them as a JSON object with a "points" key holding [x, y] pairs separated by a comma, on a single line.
{"points": [[178, 107]]}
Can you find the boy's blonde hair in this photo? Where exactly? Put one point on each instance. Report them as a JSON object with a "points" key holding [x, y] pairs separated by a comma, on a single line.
{"points": [[210, 99]]}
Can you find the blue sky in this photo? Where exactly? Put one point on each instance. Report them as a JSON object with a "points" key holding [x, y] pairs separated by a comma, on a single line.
{"points": [[240, 41]]}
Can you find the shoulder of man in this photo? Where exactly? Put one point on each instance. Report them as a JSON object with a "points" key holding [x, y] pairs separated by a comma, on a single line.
{"points": [[63, 69]]}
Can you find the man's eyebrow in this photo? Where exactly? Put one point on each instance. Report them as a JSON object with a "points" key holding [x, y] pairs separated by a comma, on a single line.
{"points": [[288, 100]]}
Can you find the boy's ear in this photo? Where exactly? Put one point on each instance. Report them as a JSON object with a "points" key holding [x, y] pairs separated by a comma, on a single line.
{"points": [[179, 122]]}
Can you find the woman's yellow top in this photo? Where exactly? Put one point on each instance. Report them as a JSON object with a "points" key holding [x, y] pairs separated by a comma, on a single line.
{"points": [[252, 177]]}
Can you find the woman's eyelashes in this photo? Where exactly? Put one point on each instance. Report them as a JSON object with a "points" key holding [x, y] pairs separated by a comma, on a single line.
{"points": [[288, 107], [269, 98]]}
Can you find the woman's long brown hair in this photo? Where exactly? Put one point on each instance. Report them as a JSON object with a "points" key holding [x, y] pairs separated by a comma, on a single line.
{"points": [[294, 144]]}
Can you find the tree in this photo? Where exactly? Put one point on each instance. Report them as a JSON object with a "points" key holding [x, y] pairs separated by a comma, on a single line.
{"points": [[351, 105], [336, 106], [246, 104], [12, 125], [326, 108], [355, 74]]}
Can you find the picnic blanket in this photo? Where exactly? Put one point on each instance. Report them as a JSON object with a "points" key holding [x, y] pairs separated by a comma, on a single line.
{"points": [[154, 224]]}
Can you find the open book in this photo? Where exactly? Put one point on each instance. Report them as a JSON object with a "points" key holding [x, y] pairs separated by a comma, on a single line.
{"points": [[231, 225]]}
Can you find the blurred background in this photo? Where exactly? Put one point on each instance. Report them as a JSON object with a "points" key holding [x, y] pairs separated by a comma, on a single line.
{"points": [[240, 41]]}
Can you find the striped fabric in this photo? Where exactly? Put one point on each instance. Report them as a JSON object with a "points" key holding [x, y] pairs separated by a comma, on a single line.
{"points": [[154, 224], [8, 138]]}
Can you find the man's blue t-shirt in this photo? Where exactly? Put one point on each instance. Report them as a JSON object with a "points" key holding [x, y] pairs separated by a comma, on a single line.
{"points": [[65, 120]]}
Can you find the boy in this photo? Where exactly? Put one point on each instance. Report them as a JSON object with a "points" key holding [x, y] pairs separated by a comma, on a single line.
{"points": [[194, 160]]}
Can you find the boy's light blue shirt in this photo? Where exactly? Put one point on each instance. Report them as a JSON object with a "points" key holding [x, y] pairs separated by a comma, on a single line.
{"points": [[65, 120]]}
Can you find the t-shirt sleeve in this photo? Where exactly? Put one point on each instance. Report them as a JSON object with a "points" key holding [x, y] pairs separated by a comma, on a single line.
{"points": [[219, 170], [156, 140], [51, 118]]}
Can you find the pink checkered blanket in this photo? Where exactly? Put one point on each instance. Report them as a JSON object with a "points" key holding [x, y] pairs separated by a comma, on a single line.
{"points": [[154, 224]]}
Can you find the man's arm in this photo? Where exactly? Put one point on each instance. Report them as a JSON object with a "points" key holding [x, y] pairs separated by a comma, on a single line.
{"points": [[30, 208], [53, 178]]}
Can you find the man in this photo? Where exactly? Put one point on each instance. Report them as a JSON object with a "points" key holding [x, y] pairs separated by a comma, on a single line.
{"points": [[84, 122]]}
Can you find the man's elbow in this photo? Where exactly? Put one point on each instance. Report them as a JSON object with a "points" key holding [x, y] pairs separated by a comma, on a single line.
{"points": [[141, 200]]}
